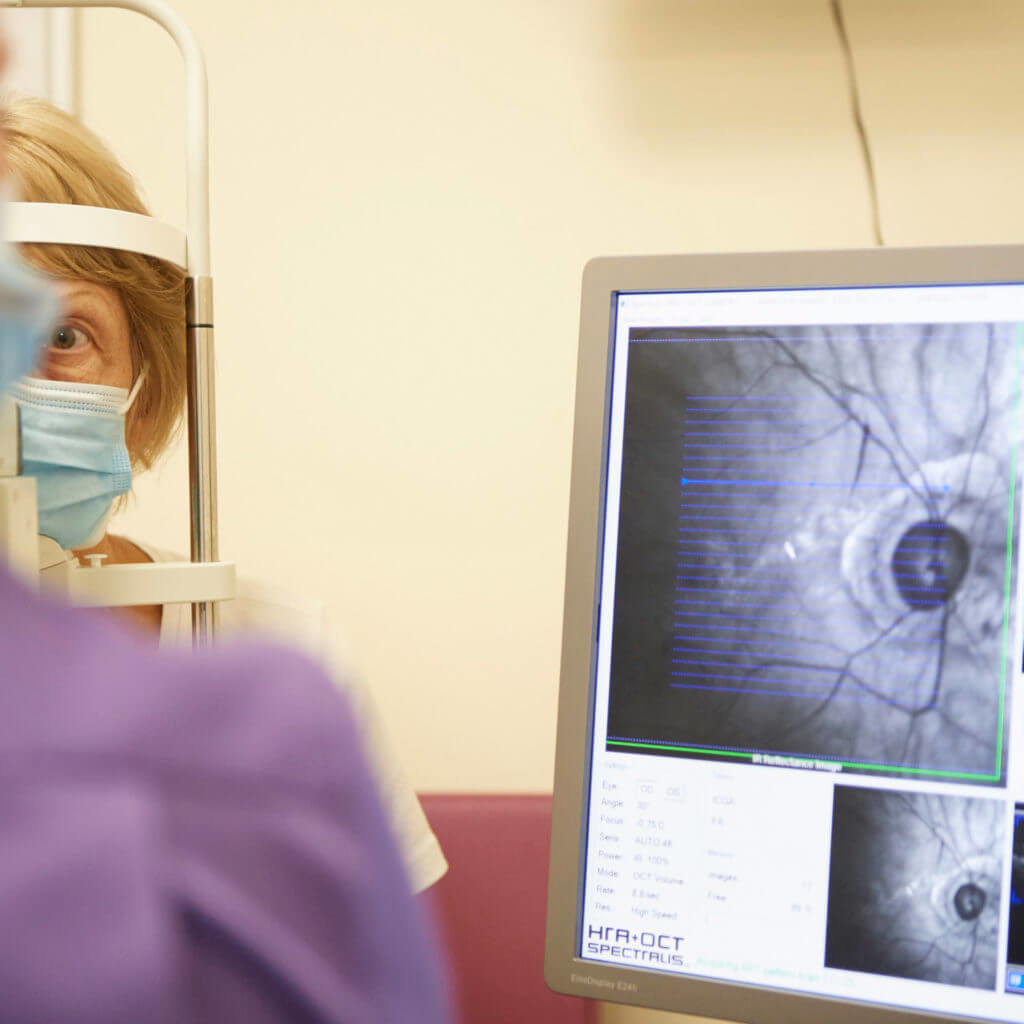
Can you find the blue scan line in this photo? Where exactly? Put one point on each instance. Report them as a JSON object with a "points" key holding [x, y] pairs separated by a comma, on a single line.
{"points": [[729, 615], [779, 682], [751, 674], [715, 530], [728, 444], [715, 536], [724, 593], [764, 457], [716, 592], [746, 433], [697, 633], [747, 631], [703, 602], [747, 669], [705, 566], [686, 517], [738, 417], [727, 418], [783, 693], [718, 540], [766, 648], [753, 571], [684, 481], [721, 504]]}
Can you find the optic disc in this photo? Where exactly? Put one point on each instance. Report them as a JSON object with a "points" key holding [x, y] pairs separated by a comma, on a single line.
{"points": [[969, 901], [929, 563]]}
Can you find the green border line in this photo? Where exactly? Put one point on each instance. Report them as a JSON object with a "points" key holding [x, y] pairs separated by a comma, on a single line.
{"points": [[1009, 560], [744, 755], [1007, 597]]}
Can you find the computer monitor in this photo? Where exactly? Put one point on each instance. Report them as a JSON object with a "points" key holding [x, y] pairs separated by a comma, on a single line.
{"points": [[790, 771]]}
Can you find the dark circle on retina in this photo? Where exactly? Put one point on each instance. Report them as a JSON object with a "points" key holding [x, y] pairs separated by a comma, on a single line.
{"points": [[929, 563], [969, 901]]}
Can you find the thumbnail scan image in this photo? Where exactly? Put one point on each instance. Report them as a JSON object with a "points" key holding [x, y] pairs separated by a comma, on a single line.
{"points": [[914, 886], [813, 545], [1015, 926]]}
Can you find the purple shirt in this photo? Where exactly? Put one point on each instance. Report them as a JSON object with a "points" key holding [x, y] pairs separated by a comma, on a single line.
{"points": [[190, 838]]}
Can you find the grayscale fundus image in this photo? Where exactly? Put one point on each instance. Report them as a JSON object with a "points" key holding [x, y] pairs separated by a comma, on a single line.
{"points": [[813, 544], [914, 886]]}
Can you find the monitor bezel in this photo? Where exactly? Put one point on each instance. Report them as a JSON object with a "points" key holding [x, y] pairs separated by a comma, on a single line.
{"points": [[604, 279]]}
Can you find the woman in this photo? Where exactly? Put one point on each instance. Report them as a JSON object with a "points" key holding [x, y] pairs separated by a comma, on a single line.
{"points": [[122, 336]]}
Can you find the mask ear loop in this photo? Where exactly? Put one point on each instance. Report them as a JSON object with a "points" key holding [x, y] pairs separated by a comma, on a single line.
{"points": [[130, 400]]}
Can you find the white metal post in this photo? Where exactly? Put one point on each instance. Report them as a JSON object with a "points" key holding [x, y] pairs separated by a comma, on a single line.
{"points": [[62, 73]]}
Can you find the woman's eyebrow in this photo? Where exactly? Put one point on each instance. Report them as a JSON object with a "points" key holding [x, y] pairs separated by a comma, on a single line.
{"points": [[89, 304]]}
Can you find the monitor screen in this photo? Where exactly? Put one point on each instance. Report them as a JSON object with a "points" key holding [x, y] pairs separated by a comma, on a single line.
{"points": [[802, 770]]}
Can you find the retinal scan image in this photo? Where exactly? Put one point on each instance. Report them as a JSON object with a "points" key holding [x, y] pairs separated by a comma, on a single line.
{"points": [[813, 545], [914, 886]]}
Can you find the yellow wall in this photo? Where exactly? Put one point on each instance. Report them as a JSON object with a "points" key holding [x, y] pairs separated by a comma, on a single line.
{"points": [[404, 194]]}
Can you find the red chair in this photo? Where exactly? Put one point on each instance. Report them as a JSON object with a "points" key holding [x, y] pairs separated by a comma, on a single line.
{"points": [[491, 905]]}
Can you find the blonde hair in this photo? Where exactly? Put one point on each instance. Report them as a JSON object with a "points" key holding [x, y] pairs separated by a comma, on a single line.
{"points": [[54, 158]]}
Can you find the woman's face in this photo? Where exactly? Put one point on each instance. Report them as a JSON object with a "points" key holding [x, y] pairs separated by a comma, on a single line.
{"points": [[92, 342]]}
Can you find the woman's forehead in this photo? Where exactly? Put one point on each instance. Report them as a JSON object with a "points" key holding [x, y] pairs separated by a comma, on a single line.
{"points": [[100, 297]]}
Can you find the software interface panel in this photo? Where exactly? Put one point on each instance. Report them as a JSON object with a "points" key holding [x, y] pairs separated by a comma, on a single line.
{"points": [[808, 643]]}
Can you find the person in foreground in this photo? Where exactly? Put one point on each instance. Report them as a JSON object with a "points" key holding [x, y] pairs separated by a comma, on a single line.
{"points": [[191, 838], [185, 837]]}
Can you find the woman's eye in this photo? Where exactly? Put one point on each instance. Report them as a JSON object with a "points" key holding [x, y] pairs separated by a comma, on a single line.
{"points": [[67, 339]]}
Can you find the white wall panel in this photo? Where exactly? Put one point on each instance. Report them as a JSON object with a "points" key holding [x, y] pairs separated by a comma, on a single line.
{"points": [[43, 54]]}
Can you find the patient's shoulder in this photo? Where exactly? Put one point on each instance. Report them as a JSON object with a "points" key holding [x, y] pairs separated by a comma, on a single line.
{"points": [[254, 708], [258, 609], [75, 686]]}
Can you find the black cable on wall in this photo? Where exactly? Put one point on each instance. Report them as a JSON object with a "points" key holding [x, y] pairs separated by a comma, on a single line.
{"points": [[858, 119]]}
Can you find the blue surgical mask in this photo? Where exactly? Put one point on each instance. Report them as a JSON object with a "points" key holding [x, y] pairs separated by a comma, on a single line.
{"points": [[73, 443]]}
